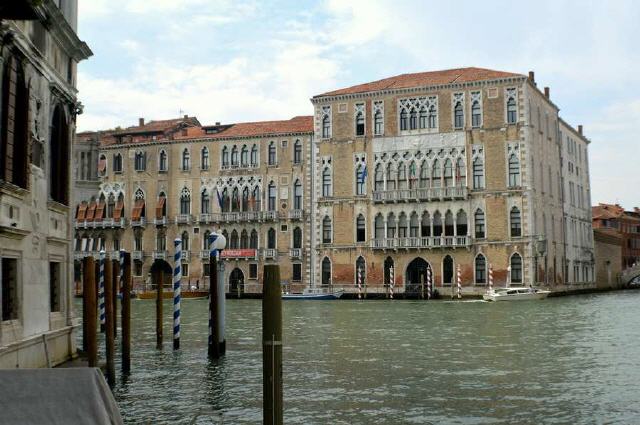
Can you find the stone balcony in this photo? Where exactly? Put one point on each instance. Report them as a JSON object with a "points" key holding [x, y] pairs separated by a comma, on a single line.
{"points": [[107, 223], [296, 214], [186, 256], [295, 253], [238, 217], [160, 221], [141, 222], [137, 255], [427, 242], [159, 255], [183, 219], [270, 253], [421, 194]]}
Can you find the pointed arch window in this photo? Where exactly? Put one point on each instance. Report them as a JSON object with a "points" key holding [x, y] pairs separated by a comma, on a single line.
{"points": [[379, 227], [244, 156], [162, 161], [102, 165], [205, 204], [326, 230], [391, 226], [433, 117], [253, 240], [424, 117], [476, 115], [271, 238], [361, 179], [186, 160], [244, 239], [424, 175], [458, 115], [413, 119], [185, 201], [206, 243], [512, 113], [437, 224], [402, 176], [234, 156], [479, 225], [516, 268], [461, 223], [391, 177], [378, 178], [255, 200], [478, 173], [448, 173], [481, 269], [514, 170], [360, 119], [234, 240], [297, 238], [245, 199], [461, 172], [326, 182], [59, 155], [425, 225], [436, 174], [235, 200], [185, 241], [254, 155], [15, 122], [117, 163], [448, 224], [204, 158], [516, 223], [326, 271], [272, 153], [272, 196], [297, 152], [414, 227], [378, 123], [404, 120], [361, 230], [111, 205], [326, 122], [297, 195], [225, 156], [402, 225]]}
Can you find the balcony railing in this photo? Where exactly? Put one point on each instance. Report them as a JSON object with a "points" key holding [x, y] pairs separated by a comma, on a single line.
{"points": [[160, 221], [138, 223], [186, 255], [295, 253], [137, 255], [421, 242], [237, 216], [159, 255], [270, 253], [296, 214], [183, 219], [421, 194], [205, 254]]}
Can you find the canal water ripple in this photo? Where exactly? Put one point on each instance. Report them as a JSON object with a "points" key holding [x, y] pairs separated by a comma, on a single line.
{"points": [[571, 360]]}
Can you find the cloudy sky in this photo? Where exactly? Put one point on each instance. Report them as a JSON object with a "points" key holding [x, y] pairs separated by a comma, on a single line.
{"points": [[237, 60]]}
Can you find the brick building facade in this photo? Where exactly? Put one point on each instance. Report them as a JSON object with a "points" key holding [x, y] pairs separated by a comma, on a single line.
{"points": [[627, 224]]}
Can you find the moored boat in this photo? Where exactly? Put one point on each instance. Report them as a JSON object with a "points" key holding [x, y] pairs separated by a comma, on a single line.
{"points": [[167, 295], [515, 294], [313, 296]]}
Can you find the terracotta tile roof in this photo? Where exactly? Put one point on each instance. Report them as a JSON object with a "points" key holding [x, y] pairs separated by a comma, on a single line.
{"points": [[299, 124], [421, 79], [157, 126], [606, 211]]}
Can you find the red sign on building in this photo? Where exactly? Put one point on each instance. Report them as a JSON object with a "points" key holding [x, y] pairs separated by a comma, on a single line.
{"points": [[238, 253]]}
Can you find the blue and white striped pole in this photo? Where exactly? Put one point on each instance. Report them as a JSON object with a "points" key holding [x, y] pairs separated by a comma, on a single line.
{"points": [[213, 270], [177, 275], [101, 292], [119, 289]]}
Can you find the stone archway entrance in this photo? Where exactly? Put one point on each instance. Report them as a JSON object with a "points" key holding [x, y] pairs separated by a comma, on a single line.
{"points": [[163, 268], [416, 277], [236, 282]]}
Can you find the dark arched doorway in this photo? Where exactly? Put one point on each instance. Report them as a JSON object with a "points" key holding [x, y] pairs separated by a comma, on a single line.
{"points": [[416, 279], [236, 282], [165, 274], [447, 270]]}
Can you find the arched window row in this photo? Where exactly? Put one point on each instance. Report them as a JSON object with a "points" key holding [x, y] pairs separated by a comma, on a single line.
{"points": [[422, 224], [418, 113], [239, 156], [238, 198], [443, 171]]}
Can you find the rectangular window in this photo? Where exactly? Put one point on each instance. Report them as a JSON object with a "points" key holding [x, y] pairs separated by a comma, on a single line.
{"points": [[184, 267], [9, 289], [253, 271], [205, 269], [137, 268], [54, 286], [138, 243], [378, 118], [478, 174], [326, 122], [476, 109], [359, 118], [297, 272], [511, 105]]}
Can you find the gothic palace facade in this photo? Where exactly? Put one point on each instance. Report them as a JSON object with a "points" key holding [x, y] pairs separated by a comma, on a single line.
{"points": [[461, 169]]}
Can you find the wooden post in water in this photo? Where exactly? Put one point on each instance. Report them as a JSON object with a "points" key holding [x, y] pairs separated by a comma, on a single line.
{"points": [[89, 291], [109, 316], [213, 346], [126, 312], [272, 346], [157, 276], [84, 305], [115, 289]]}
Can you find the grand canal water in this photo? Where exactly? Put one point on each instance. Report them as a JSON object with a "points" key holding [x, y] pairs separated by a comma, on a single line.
{"points": [[571, 360]]}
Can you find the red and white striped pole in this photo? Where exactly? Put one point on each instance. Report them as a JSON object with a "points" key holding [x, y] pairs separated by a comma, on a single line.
{"points": [[359, 282], [391, 282], [490, 277], [459, 283]]}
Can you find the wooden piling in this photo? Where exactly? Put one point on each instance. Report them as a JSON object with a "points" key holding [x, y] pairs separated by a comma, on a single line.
{"points": [[116, 290], [84, 305], [213, 349], [109, 318], [90, 297], [157, 277], [272, 346], [126, 315]]}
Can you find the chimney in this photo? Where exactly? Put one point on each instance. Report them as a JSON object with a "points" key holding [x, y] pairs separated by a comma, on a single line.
{"points": [[217, 122], [532, 77], [186, 116], [140, 122], [546, 92], [580, 129]]}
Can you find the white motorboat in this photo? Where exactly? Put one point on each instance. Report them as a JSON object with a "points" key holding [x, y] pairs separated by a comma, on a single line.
{"points": [[515, 294]]}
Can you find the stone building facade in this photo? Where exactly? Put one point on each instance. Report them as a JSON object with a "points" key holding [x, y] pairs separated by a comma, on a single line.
{"points": [[178, 179], [579, 244], [438, 170], [39, 52], [608, 250], [627, 224]]}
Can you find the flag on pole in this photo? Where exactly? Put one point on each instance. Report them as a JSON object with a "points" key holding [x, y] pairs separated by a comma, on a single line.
{"points": [[363, 174]]}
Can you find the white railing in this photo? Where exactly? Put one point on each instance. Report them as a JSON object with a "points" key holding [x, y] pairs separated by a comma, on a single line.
{"points": [[421, 242], [205, 254], [421, 194], [205, 218], [183, 218], [137, 255], [296, 214], [138, 223], [160, 221], [270, 253], [159, 255], [186, 255], [295, 253]]}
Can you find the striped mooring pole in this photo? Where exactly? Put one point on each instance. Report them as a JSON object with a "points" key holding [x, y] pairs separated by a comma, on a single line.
{"points": [[177, 275], [121, 270], [391, 282], [490, 277], [101, 291], [459, 282], [359, 282], [429, 283]]}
